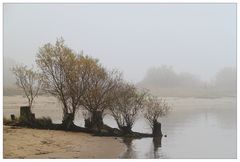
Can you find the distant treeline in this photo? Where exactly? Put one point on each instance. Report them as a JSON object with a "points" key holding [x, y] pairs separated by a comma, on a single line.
{"points": [[164, 81]]}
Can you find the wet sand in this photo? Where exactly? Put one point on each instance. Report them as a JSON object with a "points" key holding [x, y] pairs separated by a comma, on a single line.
{"points": [[35, 143]]}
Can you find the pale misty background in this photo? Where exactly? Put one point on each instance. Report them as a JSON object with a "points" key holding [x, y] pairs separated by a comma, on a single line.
{"points": [[171, 49]]}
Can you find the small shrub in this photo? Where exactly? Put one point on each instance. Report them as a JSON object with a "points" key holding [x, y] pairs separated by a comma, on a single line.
{"points": [[6, 120], [44, 122], [23, 119]]}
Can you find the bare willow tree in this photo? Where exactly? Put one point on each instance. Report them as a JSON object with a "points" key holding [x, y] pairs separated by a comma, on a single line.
{"points": [[127, 104], [29, 81], [99, 96], [154, 109], [78, 82], [65, 75], [53, 61]]}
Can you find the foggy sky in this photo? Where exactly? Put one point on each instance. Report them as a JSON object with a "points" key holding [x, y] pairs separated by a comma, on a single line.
{"points": [[195, 38]]}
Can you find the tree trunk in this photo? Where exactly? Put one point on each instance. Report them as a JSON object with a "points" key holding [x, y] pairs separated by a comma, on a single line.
{"points": [[95, 121], [126, 129], [157, 132], [25, 115], [13, 117], [87, 123], [67, 122]]}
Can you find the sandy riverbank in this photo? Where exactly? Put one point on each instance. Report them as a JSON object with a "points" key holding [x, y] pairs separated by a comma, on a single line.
{"points": [[33, 143]]}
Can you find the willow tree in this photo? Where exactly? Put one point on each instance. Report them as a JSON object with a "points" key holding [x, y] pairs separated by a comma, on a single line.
{"points": [[127, 104], [65, 75], [154, 109], [99, 96], [29, 81]]}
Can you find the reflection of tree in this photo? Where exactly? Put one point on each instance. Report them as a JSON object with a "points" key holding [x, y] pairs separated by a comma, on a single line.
{"points": [[130, 153], [157, 143]]}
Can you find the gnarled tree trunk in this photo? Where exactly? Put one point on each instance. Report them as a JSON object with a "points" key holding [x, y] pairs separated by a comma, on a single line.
{"points": [[95, 121], [67, 122], [157, 130], [126, 129], [26, 116], [13, 117]]}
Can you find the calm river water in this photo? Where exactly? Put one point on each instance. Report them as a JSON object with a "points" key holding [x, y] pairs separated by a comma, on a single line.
{"points": [[195, 127]]}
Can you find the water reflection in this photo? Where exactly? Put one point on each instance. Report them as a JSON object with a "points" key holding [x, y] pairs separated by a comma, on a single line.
{"points": [[195, 128], [157, 143], [132, 152]]}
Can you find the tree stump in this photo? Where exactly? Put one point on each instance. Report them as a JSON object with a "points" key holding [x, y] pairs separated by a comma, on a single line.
{"points": [[26, 115], [68, 121], [157, 132], [87, 123], [95, 121], [126, 129], [13, 117]]}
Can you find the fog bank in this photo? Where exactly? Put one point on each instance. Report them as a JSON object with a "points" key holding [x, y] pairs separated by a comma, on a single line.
{"points": [[165, 81]]}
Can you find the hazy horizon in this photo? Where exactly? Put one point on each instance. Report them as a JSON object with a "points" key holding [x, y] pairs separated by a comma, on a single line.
{"points": [[194, 38], [177, 98], [161, 81]]}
